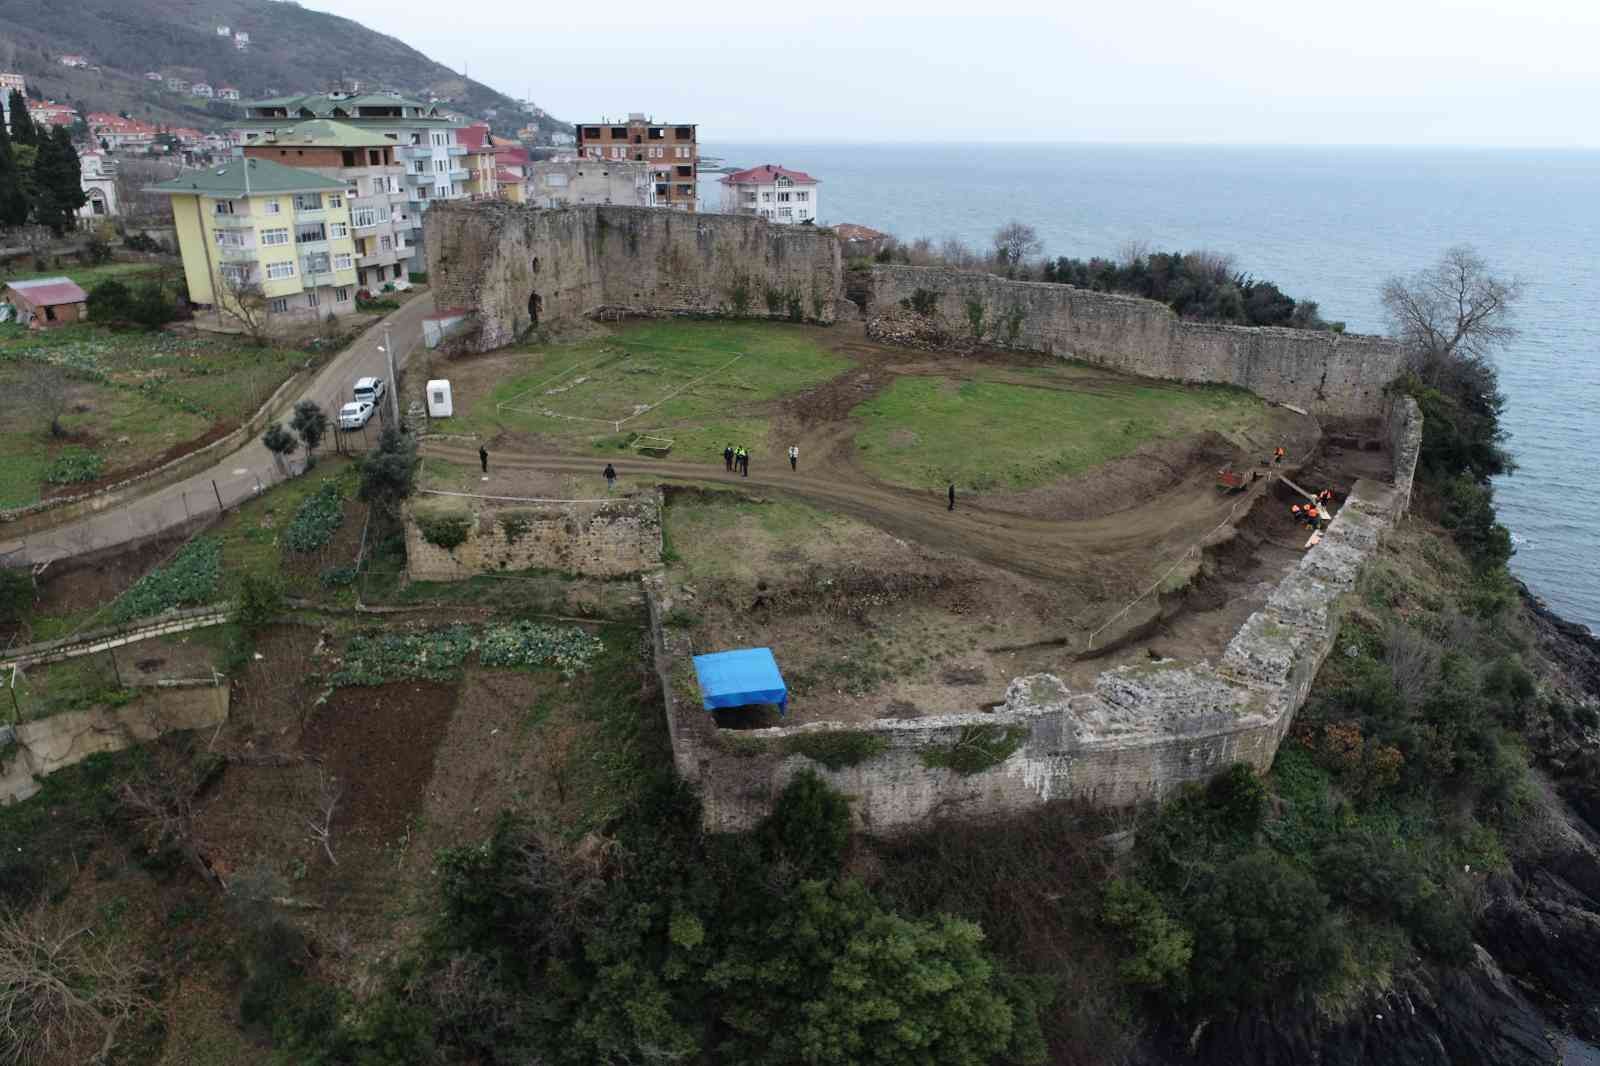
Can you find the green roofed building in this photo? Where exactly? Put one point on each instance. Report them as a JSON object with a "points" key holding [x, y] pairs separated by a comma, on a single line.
{"points": [[262, 239], [432, 160], [385, 229]]}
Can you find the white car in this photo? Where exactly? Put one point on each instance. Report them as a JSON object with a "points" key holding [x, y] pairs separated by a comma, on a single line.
{"points": [[369, 389], [355, 415]]}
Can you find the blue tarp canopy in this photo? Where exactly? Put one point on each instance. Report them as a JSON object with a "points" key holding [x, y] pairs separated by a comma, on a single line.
{"points": [[737, 678]]}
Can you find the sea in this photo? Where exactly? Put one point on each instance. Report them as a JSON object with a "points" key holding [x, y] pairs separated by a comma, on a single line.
{"points": [[1327, 224]]}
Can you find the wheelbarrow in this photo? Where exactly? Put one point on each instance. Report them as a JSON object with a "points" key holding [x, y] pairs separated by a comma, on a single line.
{"points": [[1231, 481]]}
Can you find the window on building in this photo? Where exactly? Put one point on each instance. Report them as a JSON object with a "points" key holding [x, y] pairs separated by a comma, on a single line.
{"points": [[271, 237], [684, 133], [278, 306], [783, 197], [364, 217], [315, 263], [343, 261], [224, 207], [386, 244], [619, 152], [657, 133], [306, 234], [686, 172], [308, 201], [766, 197], [338, 229], [235, 275], [336, 199], [279, 271], [342, 294], [312, 299], [619, 133], [802, 197], [441, 165], [785, 212], [350, 158], [272, 207]]}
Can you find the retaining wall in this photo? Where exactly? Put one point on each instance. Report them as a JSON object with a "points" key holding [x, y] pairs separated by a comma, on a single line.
{"points": [[517, 266], [1136, 734], [1328, 373], [601, 538]]}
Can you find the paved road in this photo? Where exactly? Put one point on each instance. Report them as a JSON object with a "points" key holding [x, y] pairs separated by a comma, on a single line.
{"points": [[241, 474]]}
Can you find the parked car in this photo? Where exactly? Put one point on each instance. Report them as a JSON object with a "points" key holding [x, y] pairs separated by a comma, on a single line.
{"points": [[369, 389], [355, 415]]}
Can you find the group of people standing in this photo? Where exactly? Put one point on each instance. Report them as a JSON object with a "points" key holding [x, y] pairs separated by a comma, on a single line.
{"points": [[1314, 514], [737, 459]]}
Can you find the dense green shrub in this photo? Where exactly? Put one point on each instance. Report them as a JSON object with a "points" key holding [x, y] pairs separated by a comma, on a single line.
{"points": [[809, 826], [977, 748], [838, 748], [73, 465], [447, 531], [316, 520], [260, 601], [187, 580], [16, 594], [338, 577]]}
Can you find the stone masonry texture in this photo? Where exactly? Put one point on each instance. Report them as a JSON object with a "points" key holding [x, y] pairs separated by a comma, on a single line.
{"points": [[1136, 734], [609, 538], [1324, 372], [515, 266]]}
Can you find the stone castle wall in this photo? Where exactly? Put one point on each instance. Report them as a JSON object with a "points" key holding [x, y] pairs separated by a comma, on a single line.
{"points": [[515, 265], [1324, 372], [605, 538], [1137, 734]]}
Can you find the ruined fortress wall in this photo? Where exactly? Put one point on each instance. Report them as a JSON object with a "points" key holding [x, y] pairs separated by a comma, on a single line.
{"points": [[514, 266], [607, 538], [1324, 372], [1137, 734]]}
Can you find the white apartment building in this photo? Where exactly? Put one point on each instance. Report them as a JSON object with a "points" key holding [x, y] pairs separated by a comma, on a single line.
{"points": [[772, 192]]}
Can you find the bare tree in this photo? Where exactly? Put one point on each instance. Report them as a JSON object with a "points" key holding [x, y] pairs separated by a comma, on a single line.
{"points": [[1455, 308], [240, 297], [43, 395], [1015, 243], [954, 251], [1132, 251], [161, 803], [329, 792], [60, 986]]}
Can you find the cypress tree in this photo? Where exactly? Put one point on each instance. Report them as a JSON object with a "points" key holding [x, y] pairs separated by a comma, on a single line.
{"points": [[13, 201], [22, 128], [58, 177]]}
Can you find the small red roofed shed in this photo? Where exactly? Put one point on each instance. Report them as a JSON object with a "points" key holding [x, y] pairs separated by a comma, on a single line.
{"points": [[44, 303]]}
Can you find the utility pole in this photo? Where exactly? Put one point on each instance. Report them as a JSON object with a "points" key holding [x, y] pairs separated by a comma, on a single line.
{"points": [[394, 383]]}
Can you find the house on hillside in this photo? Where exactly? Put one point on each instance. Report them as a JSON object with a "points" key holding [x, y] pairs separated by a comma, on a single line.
{"points": [[74, 61], [152, 75], [177, 85], [772, 192], [8, 82], [860, 242], [227, 92], [241, 41], [44, 303], [200, 88]]}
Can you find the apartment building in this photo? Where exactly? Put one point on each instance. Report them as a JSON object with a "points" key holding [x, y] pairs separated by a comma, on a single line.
{"points": [[365, 162], [254, 228], [669, 149], [483, 169], [425, 138], [556, 183], [772, 192]]}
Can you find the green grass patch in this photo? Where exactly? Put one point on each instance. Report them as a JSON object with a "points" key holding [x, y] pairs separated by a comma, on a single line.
{"points": [[73, 465], [977, 748], [927, 432], [837, 749], [87, 277], [681, 370], [696, 527]]}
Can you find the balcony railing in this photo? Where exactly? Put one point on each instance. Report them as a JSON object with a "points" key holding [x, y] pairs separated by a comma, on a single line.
{"points": [[240, 221], [310, 212], [381, 257], [458, 174], [457, 149], [231, 253]]}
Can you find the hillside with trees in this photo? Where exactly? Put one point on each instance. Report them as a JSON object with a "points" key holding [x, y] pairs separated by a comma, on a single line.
{"points": [[291, 49]]}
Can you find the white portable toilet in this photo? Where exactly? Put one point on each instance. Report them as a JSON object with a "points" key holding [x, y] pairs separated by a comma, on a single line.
{"points": [[440, 404]]}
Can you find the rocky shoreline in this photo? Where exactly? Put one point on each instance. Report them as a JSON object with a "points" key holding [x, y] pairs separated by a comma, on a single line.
{"points": [[1535, 977]]}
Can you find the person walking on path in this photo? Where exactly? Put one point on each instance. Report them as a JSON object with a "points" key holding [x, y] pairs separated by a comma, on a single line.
{"points": [[483, 458], [794, 457], [952, 496], [727, 458], [744, 462], [611, 477]]}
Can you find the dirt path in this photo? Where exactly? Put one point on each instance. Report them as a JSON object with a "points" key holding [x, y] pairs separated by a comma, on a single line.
{"points": [[1098, 556]]}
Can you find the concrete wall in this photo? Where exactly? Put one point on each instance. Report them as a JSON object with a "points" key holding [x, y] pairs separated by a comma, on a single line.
{"points": [[608, 538], [1328, 373], [1136, 734], [592, 259]]}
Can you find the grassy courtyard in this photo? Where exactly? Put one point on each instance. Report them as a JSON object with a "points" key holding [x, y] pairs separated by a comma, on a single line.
{"points": [[923, 432], [691, 382]]}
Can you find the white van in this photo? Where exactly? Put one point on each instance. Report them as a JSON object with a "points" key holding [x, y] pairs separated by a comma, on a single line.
{"points": [[369, 389]]}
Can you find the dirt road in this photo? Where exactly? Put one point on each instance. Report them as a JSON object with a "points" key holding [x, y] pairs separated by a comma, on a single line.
{"points": [[241, 474]]}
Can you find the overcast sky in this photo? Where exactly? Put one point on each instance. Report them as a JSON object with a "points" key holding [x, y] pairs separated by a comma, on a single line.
{"points": [[1432, 72]]}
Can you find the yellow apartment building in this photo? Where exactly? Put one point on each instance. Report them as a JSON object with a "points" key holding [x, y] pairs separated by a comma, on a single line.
{"points": [[252, 230]]}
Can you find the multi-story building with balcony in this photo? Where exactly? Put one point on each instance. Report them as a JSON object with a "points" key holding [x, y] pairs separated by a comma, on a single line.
{"points": [[256, 233], [483, 182], [772, 192], [669, 149], [434, 162], [365, 160]]}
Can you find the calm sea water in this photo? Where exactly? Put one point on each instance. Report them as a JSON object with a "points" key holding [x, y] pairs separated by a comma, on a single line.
{"points": [[1327, 224]]}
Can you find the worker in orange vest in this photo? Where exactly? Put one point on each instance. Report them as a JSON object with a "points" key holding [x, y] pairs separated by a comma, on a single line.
{"points": [[1296, 512], [1313, 516], [1277, 456], [1325, 497]]}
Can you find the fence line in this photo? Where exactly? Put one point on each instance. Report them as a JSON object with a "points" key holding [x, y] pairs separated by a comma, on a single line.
{"points": [[73, 647]]}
